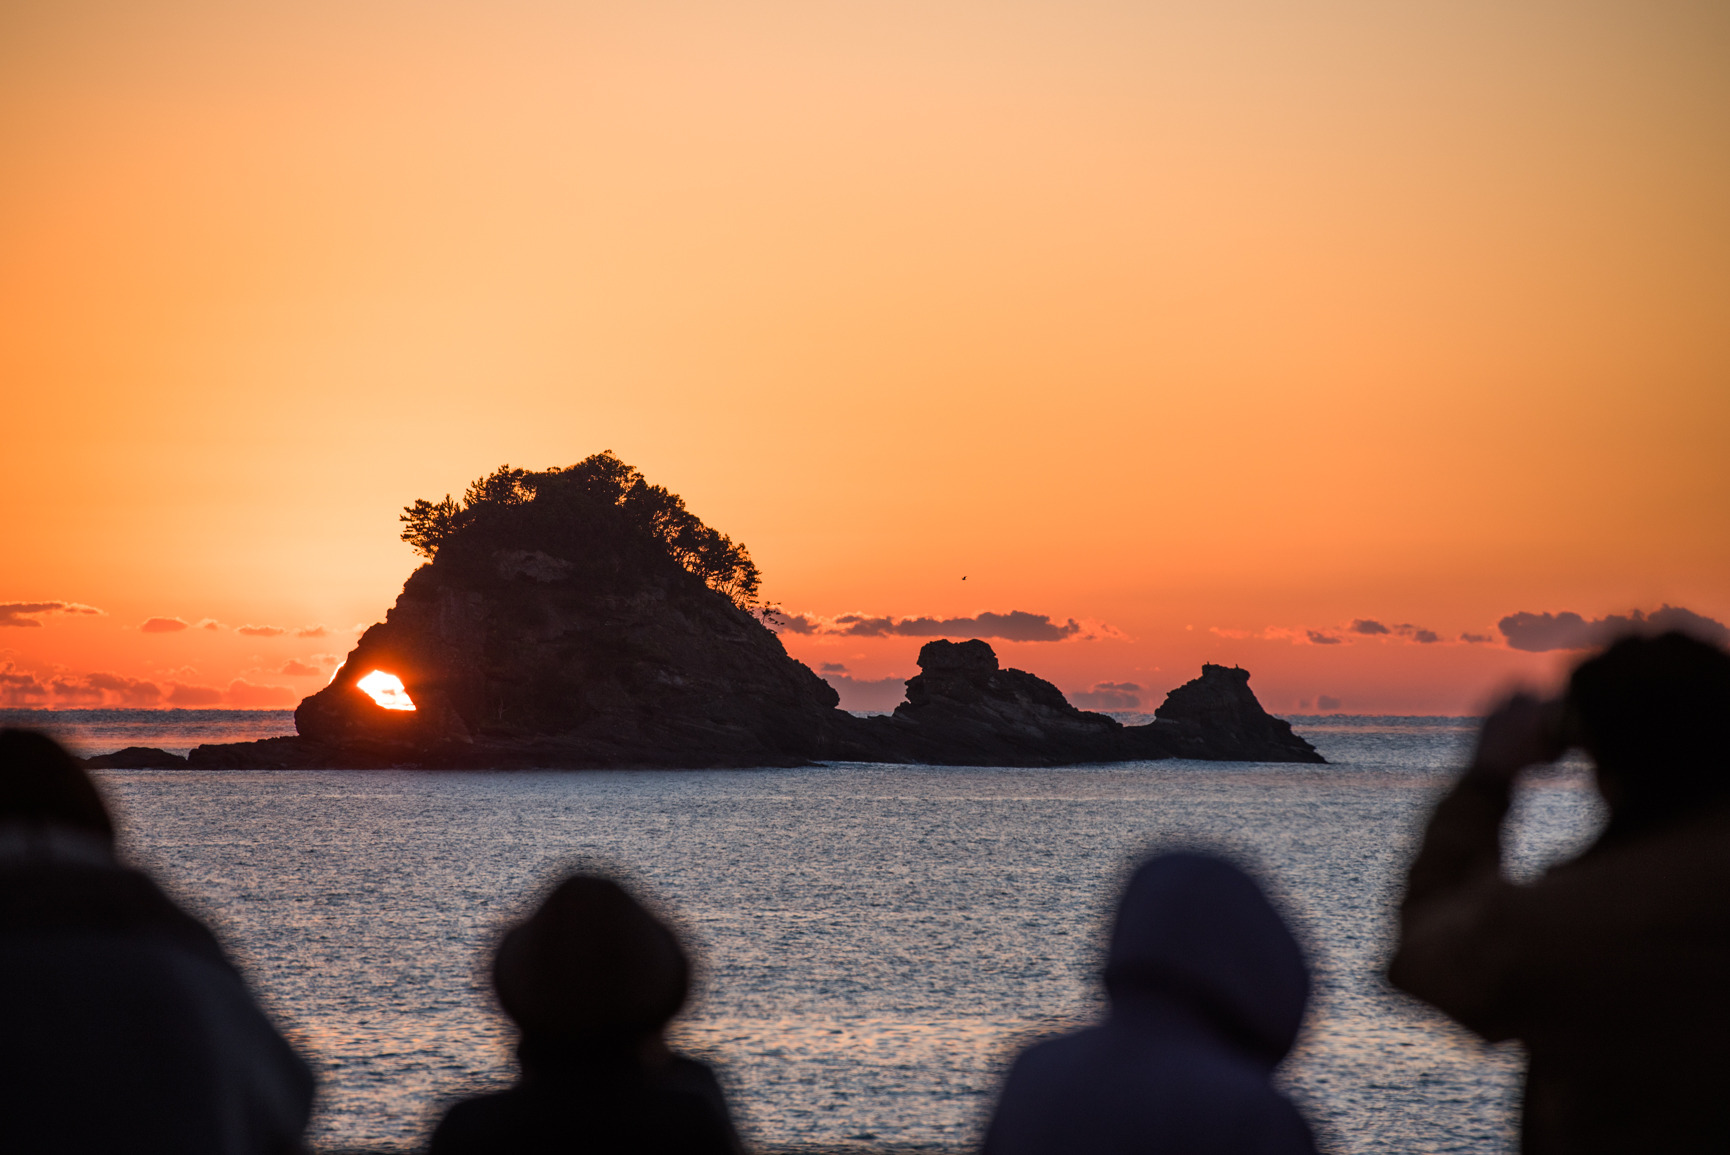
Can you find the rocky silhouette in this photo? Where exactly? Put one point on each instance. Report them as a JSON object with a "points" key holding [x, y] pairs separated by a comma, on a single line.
{"points": [[962, 709], [583, 618], [136, 758]]}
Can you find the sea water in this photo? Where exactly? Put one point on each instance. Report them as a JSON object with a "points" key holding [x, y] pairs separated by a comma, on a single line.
{"points": [[874, 942]]}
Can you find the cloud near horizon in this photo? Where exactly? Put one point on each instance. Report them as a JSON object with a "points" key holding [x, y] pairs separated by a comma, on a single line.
{"points": [[310, 632], [867, 695], [162, 626], [25, 615], [294, 669], [1341, 635], [245, 695], [1108, 696], [1543, 633], [1015, 626], [22, 688]]}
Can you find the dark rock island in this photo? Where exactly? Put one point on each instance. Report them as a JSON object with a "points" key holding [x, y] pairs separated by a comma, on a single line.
{"points": [[583, 618]]}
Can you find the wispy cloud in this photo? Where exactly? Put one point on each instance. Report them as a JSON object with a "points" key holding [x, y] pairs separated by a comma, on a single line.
{"points": [[1014, 626], [23, 688], [294, 669], [193, 697], [261, 631], [20, 687], [1108, 696], [162, 626], [27, 615], [1356, 629], [245, 695], [1541, 633], [867, 695], [311, 632]]}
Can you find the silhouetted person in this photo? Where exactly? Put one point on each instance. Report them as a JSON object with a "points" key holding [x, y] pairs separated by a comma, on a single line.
{"points": [[1207, 988], [592, 979], [123, 1027], [1611, 968]]}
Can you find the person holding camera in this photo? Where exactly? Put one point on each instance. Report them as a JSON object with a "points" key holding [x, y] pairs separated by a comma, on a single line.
{"points": [[1611, 969]]}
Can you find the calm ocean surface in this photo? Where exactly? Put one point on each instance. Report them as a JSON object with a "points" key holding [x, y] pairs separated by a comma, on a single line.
{"points": [[874, 941]]}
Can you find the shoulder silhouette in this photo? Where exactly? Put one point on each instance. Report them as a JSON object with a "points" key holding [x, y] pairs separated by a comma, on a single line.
{"points": [[126, 1027], [1207, 990], [591, 979]]}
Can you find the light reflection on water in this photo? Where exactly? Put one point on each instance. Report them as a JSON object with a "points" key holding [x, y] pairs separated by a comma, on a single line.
{"points": [[873, 940]]}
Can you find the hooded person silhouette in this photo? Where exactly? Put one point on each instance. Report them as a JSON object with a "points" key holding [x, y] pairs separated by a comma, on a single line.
{"points": [[125, 1026], [591, 979], [1207, 989]]}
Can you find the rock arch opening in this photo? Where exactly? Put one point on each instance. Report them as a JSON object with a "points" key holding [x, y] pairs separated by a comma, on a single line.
{"points": [[387, 690]]}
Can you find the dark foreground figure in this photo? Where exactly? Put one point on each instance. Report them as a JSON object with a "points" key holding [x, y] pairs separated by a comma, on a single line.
{"points": [[1207, 989], [125, 1028], [1612, 968], [592, 979]]}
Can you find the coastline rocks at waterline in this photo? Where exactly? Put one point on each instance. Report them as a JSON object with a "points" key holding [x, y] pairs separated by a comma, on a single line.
{"points": [[136, 758], [583, 617], [963, 709], [518, 666]]}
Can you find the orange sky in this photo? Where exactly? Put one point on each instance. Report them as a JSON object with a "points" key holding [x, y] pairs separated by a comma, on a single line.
{"points": [[1190, 322]]}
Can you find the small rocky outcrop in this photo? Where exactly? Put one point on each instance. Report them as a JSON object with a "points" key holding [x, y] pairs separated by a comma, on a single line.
{"points": [[963, 709], [285, 753], [1216, 717], [136, 758]]}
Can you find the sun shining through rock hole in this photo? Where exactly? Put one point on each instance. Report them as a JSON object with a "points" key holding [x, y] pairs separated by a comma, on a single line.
{"points": [[387, 690]]}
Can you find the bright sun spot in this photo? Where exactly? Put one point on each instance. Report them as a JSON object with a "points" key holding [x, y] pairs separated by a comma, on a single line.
{"points": [[386, 690]]}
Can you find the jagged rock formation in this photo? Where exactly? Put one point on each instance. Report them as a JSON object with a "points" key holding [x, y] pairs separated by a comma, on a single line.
{"points": [[963, 709], [582, 618], [1217, 717], [521, 665], [736, 704]]}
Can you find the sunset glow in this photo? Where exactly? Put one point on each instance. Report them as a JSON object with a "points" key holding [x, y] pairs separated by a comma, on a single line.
{"points": [[386, 689], [1213, 330]]}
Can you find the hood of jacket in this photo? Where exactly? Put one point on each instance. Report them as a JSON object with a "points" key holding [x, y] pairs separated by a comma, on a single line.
{"points": [[1196, 930]]}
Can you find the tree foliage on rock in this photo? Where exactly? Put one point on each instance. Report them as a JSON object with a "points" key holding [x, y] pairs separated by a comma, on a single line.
{"points": [[598, 513]]}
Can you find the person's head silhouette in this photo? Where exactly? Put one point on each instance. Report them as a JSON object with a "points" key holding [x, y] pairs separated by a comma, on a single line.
{"points": [[1653, 712], [591, 978], [43, 788], [590, 969]]}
